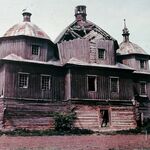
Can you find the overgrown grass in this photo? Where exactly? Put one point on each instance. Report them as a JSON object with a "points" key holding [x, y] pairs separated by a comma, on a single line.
{"points": [[25, 132]]}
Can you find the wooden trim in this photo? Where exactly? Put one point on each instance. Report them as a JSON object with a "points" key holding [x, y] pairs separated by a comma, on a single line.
{"points": [[94, 84], [118, 88]]}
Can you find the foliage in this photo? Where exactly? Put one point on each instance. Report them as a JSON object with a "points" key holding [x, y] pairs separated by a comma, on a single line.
{"points": [[64, 121]]}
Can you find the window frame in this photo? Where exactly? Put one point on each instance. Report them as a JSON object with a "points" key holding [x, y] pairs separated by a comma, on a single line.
{"points": [[104, 53], [34, 52], [27, 80], [95, 83], [145, 88], [117, 85], [49, 82], [142, 64]]}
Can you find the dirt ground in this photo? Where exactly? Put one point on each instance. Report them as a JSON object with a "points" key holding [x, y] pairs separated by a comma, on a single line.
{"points": [[91, 142]]}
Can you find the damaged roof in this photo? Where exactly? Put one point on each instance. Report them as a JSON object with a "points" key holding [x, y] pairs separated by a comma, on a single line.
{"points": [[75, 31]]}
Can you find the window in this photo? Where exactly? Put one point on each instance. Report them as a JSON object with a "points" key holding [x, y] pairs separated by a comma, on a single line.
{"points": [[143, 88], [104, 117], [142, 64], [45, 82], [114, 84], [101, 53], [23, 80], [92, 83], [35, 49]]}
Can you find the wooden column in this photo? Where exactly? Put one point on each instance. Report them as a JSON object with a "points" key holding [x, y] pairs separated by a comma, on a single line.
{"points": [[68, 85]]}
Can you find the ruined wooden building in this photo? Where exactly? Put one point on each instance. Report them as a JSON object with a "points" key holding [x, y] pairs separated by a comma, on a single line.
{"points": [[106, 84]]}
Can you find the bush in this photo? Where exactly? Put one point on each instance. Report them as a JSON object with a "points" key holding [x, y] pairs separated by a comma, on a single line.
{"points": [[64, 121]]}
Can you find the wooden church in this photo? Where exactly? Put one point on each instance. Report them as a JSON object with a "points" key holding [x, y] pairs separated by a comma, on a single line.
{"points": [[85, 70]]}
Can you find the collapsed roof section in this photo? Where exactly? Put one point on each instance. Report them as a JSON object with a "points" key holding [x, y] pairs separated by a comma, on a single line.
{"points": [[82, 28]]}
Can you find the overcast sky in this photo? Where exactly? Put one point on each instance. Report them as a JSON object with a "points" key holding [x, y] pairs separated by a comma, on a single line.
{"points": [[54, 15]]}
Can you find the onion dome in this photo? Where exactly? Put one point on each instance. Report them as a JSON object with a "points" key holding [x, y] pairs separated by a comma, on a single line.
{"points": [[127, 47], [26, 28]]}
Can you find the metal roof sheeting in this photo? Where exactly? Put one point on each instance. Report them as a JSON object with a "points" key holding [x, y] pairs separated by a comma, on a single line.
{"points": [[130, 48], [28, 29]]}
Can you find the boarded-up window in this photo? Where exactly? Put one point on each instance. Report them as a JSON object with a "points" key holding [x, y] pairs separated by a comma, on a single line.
{"points": [[101, 53], [104, 117], [143, 88], [35, 49], [23, 80], [142, 64], [92, 83], [114, 84], [45, 82]]}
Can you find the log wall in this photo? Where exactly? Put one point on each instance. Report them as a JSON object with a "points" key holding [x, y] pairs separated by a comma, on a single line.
{"points": [[32, 115], [120, 118]]}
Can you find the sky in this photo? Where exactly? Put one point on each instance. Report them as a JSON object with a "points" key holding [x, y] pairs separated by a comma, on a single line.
{"points": [[52, 16]]}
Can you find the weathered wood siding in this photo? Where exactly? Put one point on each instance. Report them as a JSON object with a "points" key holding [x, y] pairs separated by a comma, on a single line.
{"points": [[137, 78], [34, 91], [130, 61], [87, 51], [78, 48], [23, 47], [110, 54], [123, 117], [79, 84], [88, 117], [2, 108], [2, 80], [134, 61], [30, 114]]}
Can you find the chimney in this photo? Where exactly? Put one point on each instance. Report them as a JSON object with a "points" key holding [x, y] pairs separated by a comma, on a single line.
{"points": [[80, 13], [26, 16]]}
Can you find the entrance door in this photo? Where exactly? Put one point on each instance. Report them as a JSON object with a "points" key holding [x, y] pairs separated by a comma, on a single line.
{"points": [[104, 118]]}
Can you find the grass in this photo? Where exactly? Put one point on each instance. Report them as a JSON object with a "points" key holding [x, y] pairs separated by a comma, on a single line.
{"points": [[25, 132]]}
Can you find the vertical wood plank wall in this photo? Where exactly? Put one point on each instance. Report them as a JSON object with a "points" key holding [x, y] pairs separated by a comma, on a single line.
{"points": [[23, 47], [79, 84], [78, 48], [34, 91]]}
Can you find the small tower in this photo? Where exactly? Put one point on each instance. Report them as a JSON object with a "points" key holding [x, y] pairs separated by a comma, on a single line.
{"points": [[125, 33], [80, 13], [26, 16]]}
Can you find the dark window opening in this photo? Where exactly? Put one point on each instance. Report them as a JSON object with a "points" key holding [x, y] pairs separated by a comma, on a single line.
{"points": [[91, 83], [104, 117], [23, 80], [35, 49], [101, 53], [142, 64], [45, 82], [114, 85], [143, 88]]}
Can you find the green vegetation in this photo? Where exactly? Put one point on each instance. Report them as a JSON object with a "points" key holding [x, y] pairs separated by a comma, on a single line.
{"points": [[64, 121]]}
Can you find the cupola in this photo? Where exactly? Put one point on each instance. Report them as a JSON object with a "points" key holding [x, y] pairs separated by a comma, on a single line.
{"points": [[125, 33], [26, 16], [26, 28], [80, 13]]}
